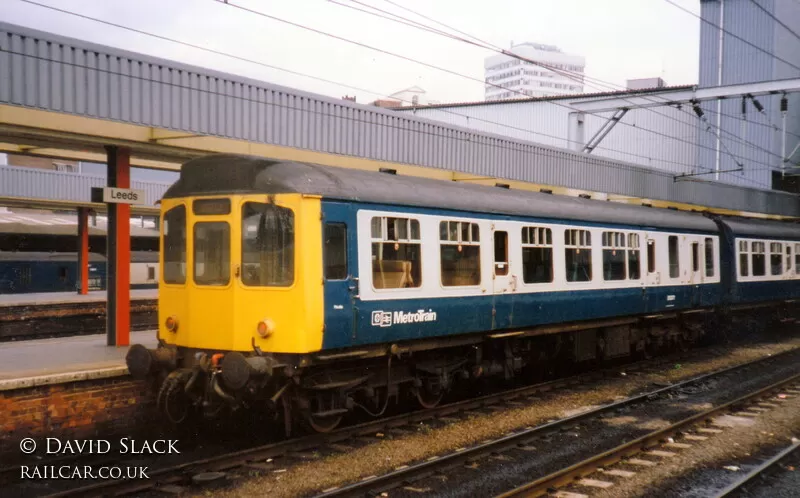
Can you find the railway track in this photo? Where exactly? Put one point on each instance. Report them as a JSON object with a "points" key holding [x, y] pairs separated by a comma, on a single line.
{"points": [[260, 459], [739, 487]]}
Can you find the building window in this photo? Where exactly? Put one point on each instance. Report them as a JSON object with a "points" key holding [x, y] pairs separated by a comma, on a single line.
{"points": [[674, 259], [335, 251], [537, 255], [634, 261], [744, 259], [173, 243], [709, 250], [651, 256], [578, 255], [614, 256], [776, 258], [460, 253], [267, 245], [759, 259], [396, 253]]}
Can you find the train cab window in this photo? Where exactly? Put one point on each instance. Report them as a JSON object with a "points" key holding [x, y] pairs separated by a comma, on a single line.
{"points": [[695, 257], [674, 258], [776, 258], [614, 256], [212, 253], [744, 259], [173, 243], [537, 255], [634, 261], [335, 251], [651, 256], [396, 253], [501, 253], [460, 253], [578, 255], [708, 244], [267, 245], [759, 259]]}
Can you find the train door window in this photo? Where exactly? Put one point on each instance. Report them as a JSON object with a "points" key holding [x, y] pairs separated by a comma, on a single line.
{"points": [[759, 259], [614, 256], [460, 253], [335, 251], [396, 253], [651, 256], [212, 253], [537, 255], [62, 273], [776, 258], [151, 273], [267, 245], [695, 257], [634, 261], [674, 258], [173, 243], [578, 255], [797, 259], [744, 259], [788, 268], [708, 244], [501, 253]]}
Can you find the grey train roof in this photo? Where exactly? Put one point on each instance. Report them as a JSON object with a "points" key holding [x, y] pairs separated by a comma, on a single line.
{"points": [[762, 228], [235, 174], [29, 256]]}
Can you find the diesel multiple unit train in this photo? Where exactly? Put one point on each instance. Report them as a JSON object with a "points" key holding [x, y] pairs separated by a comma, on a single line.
{"points": [[314, 291]]}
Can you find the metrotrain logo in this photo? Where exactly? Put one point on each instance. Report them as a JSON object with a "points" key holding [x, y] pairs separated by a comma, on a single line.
{"points": [[389, 318]]}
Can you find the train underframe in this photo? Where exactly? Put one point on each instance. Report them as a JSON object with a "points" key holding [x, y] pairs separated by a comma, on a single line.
{"points": [[319, 391]]}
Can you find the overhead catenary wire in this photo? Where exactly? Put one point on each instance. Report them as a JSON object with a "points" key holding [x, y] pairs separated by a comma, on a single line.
{"points": [[776, 20]]}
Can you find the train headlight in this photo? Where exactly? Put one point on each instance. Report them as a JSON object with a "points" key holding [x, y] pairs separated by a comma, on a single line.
{"points": [[265, 328], [171, 323]]}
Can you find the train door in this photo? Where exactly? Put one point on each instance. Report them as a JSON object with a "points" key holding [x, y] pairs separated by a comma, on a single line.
{"points": [[504, 282], [652, 272], [696, 268], [340, 274]]}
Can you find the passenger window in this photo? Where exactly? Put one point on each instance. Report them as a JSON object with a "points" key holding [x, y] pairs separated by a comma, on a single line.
{"points": [[212, 257], [651, 256], [709, 250], [267, 245], [335, 251], [460, 253], [578, 255], [614, 256], [744, 259], [776, 258], [674, 261], [173, 243], [537, 255], [634, 261], [759, 259], [695, 257], [396, 253], [501, 253]]}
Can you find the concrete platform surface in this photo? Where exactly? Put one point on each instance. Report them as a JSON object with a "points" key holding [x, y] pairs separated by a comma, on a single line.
{"points": [[65, 359], [45, 298]]}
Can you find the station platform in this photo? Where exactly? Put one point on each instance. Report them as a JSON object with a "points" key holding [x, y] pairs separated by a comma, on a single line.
{"points": [[57, 298], [68, 359]]}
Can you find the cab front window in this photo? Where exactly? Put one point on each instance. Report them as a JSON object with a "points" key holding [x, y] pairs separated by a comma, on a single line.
{"points": [[212, 255], [267, 245]]}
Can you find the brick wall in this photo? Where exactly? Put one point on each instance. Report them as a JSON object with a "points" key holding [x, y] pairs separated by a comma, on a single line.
{"points": [[86, 409]]}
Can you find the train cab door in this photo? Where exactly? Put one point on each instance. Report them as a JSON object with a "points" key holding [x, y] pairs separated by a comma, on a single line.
{"points": [[340, 275], [504, 282]]}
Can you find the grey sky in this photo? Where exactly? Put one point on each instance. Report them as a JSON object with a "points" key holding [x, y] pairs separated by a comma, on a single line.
{"points": [[620, 39]]}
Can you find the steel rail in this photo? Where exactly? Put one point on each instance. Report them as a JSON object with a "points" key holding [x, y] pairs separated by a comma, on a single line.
{"points": [[381, 483], [568, 475], [760, 470]]}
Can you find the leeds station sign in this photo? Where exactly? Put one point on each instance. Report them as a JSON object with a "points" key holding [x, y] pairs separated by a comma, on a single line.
{"points": [[117, 195]]}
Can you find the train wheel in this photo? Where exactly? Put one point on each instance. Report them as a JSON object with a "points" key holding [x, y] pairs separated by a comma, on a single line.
{"points": [[172, 399], [323, 424], [428, 399]]}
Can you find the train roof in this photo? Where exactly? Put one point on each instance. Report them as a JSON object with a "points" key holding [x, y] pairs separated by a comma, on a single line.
{"points": [[748, 227], [234, 174], [62, 224], [46, 256]]}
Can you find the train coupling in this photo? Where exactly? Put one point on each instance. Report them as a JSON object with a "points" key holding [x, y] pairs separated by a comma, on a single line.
{"points": [[142, 361]]}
